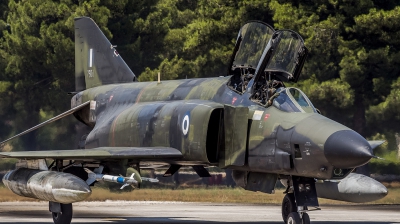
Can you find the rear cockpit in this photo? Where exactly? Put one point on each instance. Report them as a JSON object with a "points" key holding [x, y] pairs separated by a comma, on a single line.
{"points": [[263, 59], [252, 39]]}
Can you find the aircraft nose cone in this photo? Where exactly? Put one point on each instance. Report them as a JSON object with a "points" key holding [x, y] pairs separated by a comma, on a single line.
{"points": [[347, 149]]}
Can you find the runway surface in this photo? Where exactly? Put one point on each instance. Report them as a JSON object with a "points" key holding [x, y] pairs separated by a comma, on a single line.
{"points": [[197, 213]]}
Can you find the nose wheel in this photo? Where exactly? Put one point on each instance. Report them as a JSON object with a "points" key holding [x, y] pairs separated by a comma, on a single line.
{"points": [[306, 218], [62, 213], [288, 206], [293, 218], [300, 194], [290, 212]]}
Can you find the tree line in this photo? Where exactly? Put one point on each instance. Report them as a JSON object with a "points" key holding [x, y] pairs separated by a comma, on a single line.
{"points": [[351, 74]]}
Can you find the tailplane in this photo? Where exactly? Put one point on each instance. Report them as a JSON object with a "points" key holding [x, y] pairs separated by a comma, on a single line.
{"points": [[97, 62]]}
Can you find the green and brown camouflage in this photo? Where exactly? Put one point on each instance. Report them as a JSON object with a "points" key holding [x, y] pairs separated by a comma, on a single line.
{"points": [[128, 116]]}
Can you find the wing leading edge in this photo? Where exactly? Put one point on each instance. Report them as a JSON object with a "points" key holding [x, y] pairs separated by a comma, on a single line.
{"points": [[101, 153]]}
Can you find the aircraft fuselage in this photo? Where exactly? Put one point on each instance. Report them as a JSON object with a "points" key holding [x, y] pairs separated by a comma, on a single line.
{"points": [[187, 115]]}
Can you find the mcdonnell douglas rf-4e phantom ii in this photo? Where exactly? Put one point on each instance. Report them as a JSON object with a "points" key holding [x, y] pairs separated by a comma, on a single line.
{"points": [[247, 121]]}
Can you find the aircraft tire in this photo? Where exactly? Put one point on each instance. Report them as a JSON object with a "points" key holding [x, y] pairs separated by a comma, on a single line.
{"points": [[293, 218], [63, 217], [306, 218], [288, 206]]}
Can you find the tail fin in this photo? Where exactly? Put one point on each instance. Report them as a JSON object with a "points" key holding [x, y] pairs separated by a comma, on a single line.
{"points": [[96, 60]]}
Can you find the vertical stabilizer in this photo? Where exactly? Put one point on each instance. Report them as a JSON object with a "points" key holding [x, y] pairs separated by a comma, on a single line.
{"points": [[97, 62]]}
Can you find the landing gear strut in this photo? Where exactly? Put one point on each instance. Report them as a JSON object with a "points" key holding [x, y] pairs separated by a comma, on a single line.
{"points": [[62, 213], [300, 194]]}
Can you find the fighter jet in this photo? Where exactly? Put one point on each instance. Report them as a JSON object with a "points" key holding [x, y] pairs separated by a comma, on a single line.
{"points": [[246, 120]]}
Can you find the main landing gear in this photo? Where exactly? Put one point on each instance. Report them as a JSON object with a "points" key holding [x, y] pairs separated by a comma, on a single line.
{"points": [[62, 213], [300, 194]]}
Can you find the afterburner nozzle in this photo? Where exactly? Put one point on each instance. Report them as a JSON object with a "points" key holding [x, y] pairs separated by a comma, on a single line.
{"points": [[347, 149]]}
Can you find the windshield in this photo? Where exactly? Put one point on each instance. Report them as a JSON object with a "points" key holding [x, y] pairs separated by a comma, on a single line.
{"points": [[293, 100], [254, 37]]}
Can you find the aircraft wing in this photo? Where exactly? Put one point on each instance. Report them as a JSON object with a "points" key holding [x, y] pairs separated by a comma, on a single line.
{"points": [[101, 153]]}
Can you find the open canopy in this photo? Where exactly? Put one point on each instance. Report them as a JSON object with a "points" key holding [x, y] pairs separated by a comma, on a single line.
{"points": [[252, 39], [285, 55], [263, 59]]}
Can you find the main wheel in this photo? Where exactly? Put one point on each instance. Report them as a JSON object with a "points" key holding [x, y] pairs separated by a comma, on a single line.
{"points": [[63, 217], [306, 218], [293, 218], [288, 206]]}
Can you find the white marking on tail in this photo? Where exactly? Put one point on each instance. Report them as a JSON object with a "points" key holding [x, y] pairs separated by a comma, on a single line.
{"points": [[90, 57]]}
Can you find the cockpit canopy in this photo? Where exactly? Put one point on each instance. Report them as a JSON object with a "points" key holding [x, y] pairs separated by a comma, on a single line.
{"points": [[292, 100], [263, 59], [252, 39], [286, 55]]}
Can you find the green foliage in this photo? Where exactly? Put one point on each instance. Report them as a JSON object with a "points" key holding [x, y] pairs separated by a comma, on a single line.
{"points": [[353, 58], [7, 164], [385, 167], [388, 151], [39, 53], [385, 115], [390, 164]]}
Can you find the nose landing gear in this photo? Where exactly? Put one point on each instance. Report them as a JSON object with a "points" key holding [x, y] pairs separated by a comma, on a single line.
{"points": [[62, 213], [300, 194]]}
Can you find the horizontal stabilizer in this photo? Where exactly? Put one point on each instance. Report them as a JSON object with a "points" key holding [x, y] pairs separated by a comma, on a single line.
{"points": [[58, 117], [101, 153], [376, 143]]}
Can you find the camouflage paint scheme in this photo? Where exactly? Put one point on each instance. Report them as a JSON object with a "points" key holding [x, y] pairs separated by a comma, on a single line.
{"points": [[149, 114]]}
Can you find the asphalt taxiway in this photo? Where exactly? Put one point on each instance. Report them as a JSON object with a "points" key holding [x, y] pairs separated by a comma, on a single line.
{"points": [[197, 213]]}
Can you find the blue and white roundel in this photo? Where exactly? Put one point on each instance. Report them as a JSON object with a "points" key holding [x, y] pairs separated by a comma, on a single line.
{"points": [[186, 123]]}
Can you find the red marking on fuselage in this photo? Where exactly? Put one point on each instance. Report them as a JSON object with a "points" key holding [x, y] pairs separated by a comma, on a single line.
{"points": [[266, 117], [113, 128], [140, 94], [234, 100]]}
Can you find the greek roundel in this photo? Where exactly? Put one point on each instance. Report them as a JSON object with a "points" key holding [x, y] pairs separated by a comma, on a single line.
{"points": [[186, 124]]}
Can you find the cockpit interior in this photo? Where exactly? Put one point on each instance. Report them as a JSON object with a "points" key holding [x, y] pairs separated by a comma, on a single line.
{"points": [[263, 60]]}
